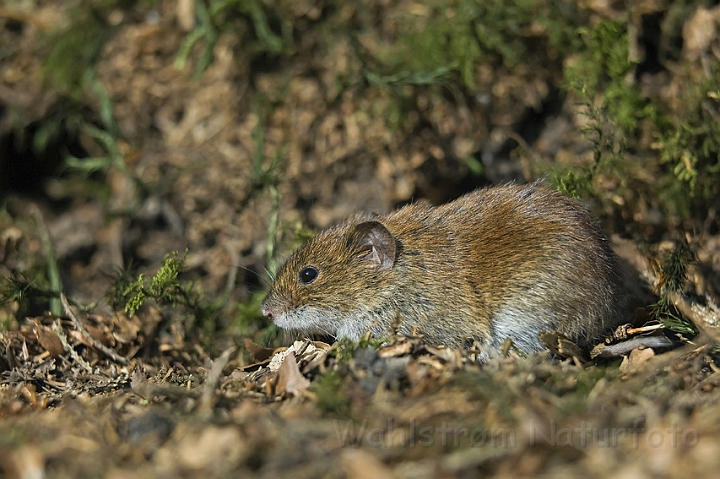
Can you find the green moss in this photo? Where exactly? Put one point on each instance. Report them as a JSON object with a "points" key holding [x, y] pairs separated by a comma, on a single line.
{"points": [[165, 289], [672, 271], [328, 391], [673, 322], [574, 399], [597, 78], [30, 294], [346, 347], [689, 143], [216, 16], [248, 313], [75, 49], [686, 131], [456, 36], [7, 322], [674, 265]]}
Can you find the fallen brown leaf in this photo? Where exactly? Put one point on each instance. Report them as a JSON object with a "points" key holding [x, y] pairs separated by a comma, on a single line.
{"points": [[635, 360], [125, 329], [258, 352], [48, 339], [562, 346], [290, 380], [399, 348]]}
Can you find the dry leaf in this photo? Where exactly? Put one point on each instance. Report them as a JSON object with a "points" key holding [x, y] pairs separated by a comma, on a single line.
{"points": [[151, 318], [99, 335], [95, 333], [290, 380], [258, 352], [138, 378], [125, 329], [635, 360], [399, 348], [562, 346], [305, 352], [48, 339], [448, 355], [432, 362]]}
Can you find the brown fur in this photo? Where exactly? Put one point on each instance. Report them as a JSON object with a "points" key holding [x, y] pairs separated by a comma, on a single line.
{"points": [[510, 260]]}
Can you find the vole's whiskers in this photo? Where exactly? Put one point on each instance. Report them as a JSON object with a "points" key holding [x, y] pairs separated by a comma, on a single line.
{"points": [[267, 272], [254, 273]]}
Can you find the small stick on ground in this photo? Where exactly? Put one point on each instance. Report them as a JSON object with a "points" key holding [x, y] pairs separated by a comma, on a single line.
{"points": [[644, 329], [209, 397], [93, 342], [57, 328]]}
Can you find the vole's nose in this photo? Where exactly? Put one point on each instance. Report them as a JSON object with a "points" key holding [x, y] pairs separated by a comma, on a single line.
{"points": [[267, 312]]}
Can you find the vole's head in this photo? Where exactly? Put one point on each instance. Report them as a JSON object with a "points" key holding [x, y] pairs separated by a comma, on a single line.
{"points": [[325, 285]]}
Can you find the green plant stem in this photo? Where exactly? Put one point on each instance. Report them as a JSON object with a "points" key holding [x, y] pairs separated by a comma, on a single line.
{"points": [[271, 261], [52, 268]]}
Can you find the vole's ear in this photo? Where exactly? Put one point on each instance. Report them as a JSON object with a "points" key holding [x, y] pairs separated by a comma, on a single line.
{"points": [[373, 237]]}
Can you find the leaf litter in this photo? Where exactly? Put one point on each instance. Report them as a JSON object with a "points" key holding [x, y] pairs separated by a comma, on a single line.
{"points": [[397, 407]]}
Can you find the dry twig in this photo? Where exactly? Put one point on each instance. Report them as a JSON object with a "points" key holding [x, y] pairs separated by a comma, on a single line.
{"points": [[93, 342]]}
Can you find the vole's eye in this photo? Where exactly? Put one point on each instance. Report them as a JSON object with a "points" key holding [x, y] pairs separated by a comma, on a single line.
{"points": [[308, 274]]}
